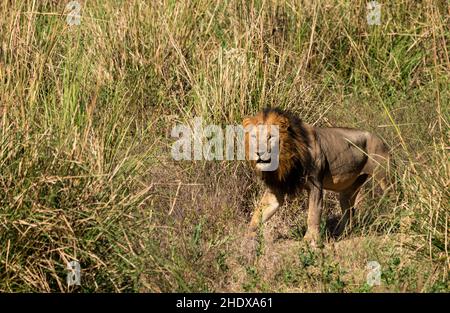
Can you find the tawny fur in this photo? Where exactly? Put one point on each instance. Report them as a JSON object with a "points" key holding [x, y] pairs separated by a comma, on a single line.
{"points": [[314, 159]]}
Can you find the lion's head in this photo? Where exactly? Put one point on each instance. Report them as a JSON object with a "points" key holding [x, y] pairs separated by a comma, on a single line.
{"points": [[288, 142]]}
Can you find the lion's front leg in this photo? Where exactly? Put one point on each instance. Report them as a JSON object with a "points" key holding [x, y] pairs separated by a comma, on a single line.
{"points": [[266, 207], [314, 212]]}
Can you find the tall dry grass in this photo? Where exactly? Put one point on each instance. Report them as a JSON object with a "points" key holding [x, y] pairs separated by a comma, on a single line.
{"points": [[86, 113]]}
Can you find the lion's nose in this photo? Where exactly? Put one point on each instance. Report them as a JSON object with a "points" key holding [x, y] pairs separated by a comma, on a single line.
{"points": [[263, 155]]}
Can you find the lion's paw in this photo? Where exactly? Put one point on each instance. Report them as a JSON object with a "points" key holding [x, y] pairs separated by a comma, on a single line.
{"points": [[313, 239], [249, 246]]}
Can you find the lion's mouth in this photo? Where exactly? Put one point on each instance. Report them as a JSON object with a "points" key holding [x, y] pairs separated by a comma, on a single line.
{"points": [[261, 161]]}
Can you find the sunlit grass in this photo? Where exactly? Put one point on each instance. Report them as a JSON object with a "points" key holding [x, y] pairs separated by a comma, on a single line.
{"points": [[85, 119]]}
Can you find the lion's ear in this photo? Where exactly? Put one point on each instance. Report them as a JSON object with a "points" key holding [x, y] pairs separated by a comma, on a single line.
{"points": [[284, 122], [246, 121]]}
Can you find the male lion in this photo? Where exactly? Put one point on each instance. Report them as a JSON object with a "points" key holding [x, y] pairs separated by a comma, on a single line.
{"points": [[314, 159]]}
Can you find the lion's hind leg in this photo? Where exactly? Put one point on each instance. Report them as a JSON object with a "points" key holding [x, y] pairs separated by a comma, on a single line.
{"points": [[347, 200], [378, 164]]}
